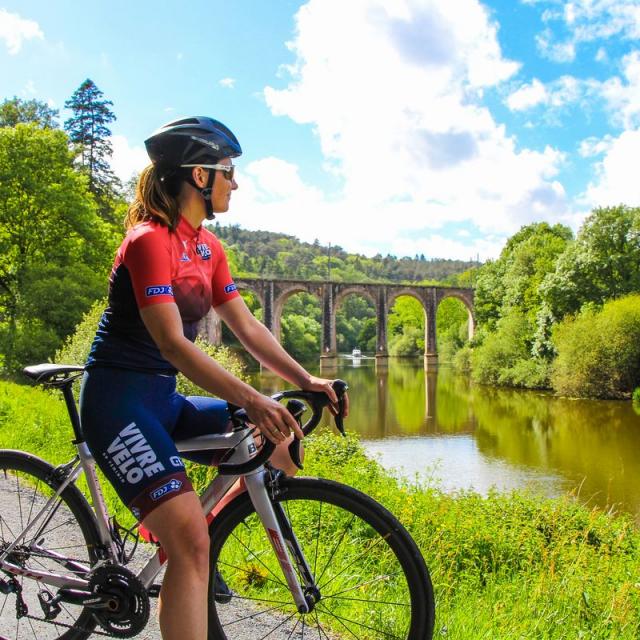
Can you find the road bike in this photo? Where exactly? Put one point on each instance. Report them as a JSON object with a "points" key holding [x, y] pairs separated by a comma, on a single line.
{"points": [[291, 557]]}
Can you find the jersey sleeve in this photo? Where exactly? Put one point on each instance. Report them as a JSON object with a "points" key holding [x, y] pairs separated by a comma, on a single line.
{"points": [[223, 288], [147, 257]]}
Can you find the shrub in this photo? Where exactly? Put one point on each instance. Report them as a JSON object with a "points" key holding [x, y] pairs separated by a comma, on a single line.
{"points": [[599, 351], [502, 349], [76, 349]]}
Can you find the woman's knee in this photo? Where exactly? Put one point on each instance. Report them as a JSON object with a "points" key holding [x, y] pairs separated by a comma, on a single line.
{"points": [[181, 528]]}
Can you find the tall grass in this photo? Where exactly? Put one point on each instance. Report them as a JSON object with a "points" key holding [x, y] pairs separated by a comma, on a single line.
{"points": [[507, 566]]}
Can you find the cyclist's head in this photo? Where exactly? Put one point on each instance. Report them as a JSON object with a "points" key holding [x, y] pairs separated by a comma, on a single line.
{"points": [[175, 150]]}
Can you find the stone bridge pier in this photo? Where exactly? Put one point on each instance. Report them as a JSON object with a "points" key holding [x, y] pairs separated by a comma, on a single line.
{"points": [[273, 294]]}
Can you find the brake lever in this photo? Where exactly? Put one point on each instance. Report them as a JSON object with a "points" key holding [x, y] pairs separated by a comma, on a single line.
{"points": [[296, 409], [340, 387]]}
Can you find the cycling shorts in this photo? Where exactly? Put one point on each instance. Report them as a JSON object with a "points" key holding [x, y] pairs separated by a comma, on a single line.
{"points": [[130, 421]]}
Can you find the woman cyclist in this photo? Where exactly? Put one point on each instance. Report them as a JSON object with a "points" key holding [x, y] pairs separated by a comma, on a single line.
{"points": [[168, 272]]}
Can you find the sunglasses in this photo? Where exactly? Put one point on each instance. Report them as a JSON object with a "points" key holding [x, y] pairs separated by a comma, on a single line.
{"points": [[228, 169]]}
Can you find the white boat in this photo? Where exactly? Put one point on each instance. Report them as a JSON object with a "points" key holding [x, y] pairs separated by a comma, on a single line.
{"points": [[356, 353]]}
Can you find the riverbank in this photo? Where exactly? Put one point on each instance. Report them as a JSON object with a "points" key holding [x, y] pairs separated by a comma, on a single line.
{"points": [[503, 566]]}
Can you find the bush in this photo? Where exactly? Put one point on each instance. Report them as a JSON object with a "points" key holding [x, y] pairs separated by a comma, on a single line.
{"points": [[462, 359], [76, 350], [501, 350], [599, 351]]}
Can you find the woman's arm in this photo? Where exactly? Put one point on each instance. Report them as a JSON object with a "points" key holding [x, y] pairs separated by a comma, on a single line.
{"points": [[165, 326], [263, 346]]}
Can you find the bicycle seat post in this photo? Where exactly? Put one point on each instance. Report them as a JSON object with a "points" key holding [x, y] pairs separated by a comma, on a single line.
{"points": [[72, 410]]}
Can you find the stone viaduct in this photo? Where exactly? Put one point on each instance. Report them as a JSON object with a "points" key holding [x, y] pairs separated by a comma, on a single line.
{"points": [[273, 295]]}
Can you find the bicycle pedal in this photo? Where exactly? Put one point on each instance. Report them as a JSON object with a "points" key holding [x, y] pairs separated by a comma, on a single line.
{"points": [[49, 606], [221, 591]]}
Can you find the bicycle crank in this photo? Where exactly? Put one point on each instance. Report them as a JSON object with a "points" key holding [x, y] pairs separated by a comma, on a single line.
{"points": [[127, 602]]}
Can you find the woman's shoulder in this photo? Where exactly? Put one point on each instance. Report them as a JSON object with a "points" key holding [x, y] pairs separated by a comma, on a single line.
{"points": [[146, 235]]}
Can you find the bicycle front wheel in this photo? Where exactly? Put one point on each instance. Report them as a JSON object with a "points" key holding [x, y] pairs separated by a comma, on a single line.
{"points": [[63, 541], [371, 576]]}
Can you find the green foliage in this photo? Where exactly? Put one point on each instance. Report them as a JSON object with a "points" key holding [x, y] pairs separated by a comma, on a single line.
{"points": [[504, 356], [301, 336], [354, 319], [603, 262], [264, 254], [224, 356], [636, 400], [599, 351], [14, 111], [56, 253], [505, 566], [405, 327], [452, 328]]}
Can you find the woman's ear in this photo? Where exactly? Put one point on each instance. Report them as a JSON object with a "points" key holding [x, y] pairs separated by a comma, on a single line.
{"points": [[200, 175]]}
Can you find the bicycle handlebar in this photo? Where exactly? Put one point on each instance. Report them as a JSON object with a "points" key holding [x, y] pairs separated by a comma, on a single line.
{"points": [[298, 401]]}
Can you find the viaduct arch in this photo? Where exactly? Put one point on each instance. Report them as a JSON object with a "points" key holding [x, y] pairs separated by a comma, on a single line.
{"points": [[273, 294]]}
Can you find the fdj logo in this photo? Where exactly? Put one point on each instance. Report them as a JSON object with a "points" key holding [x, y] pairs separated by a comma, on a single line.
{"points": [[167, 487], [203, 250], [230, 288], [159, 290]]}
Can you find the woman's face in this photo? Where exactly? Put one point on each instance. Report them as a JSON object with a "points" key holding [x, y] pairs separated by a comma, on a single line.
{"points": [[222, 188]]}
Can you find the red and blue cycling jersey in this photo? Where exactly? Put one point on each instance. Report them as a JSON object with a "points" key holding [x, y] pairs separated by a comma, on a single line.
{"points": [[157, 265]]}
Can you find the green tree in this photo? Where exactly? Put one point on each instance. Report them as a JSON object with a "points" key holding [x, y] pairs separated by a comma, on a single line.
{"points": [[56, 252], [15, 111], [88, 131], [405, 327], [602, 263]]}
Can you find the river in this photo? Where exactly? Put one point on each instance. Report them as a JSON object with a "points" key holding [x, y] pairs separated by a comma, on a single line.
{"points": [[445, 430]]}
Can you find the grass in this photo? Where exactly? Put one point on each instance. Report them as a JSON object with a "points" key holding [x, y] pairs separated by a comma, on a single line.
{"points": [[506, 566]]}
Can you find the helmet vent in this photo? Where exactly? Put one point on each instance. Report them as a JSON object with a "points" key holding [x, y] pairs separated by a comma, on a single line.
{"points": [[177, 123]]}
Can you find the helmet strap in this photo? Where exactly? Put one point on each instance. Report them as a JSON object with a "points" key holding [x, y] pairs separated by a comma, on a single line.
{"points": [[205, 192]]}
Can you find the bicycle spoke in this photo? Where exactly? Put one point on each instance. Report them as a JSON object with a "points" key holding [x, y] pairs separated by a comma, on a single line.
{"points": [[359, 624], [362, 555], [315, 560], [253, 615], [33, 499], [260, 561], [278, 626], [335, 549], [393, 604], [295, 626], [320, 629], [362, 584], [228, 564], [19, 503]]}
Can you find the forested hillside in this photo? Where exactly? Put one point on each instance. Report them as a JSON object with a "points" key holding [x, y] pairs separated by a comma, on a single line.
{"points": [[264, 254]]}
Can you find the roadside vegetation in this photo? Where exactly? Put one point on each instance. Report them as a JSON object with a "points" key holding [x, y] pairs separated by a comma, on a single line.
{"points": [[503, 567]]}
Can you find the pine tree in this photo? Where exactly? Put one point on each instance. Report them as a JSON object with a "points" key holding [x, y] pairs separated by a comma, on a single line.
{"points": [[88, 131]]}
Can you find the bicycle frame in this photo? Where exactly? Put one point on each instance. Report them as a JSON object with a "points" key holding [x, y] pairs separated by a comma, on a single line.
{"points": [[245, 447]]}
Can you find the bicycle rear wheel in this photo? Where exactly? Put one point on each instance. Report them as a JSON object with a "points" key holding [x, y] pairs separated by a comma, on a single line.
{"points": [[66, 533], [373, 580]]}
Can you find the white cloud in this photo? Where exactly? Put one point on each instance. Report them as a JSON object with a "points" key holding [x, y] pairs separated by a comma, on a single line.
{"points": [[623, 94], [399, 119], [527, 96], [616, 174], [29, 88], [227, 83], [14, 30], [587, 21], [126, 160]]}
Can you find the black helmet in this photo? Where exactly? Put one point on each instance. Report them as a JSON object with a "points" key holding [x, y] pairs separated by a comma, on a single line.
{"points": [[193, 141]]}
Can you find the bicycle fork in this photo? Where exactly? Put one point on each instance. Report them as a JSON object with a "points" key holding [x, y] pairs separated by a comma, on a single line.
{"points": [[284, 542]]}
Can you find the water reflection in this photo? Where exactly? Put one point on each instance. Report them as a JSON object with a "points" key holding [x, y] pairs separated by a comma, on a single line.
{"points": [[441, 426]]}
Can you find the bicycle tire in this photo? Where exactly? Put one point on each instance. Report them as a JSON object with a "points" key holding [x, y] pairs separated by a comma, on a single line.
{"points": [[374, 557], [27, 481]]}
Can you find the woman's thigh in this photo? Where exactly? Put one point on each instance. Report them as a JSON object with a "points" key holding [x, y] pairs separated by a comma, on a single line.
{"points": [[124, 419]]}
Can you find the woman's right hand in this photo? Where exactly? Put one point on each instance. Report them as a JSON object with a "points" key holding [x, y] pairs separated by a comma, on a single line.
{"points": [[272, 418]]}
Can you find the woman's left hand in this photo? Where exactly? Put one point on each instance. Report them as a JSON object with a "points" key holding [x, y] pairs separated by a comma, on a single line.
{"points": [[323, 384]]}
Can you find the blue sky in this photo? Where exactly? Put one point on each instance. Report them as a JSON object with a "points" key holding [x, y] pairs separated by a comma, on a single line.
{"points": [[392, 126]]}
